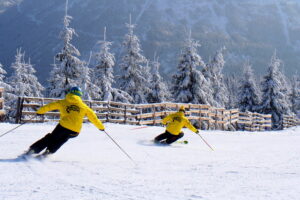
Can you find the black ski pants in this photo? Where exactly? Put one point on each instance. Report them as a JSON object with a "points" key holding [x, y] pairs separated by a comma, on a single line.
{"points": [[53, 141], [168, 137]]}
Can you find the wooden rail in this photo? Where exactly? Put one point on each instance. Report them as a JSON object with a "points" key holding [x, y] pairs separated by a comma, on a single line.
{"points": [[255, 121], [151, 114], [290, 121], [2, 112]]}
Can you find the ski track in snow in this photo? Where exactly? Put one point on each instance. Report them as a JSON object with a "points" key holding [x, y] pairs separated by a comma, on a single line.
{"points": [[244, 165]]}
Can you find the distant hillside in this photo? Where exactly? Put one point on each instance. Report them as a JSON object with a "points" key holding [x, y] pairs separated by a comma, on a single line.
{"points": [[249, 29]]}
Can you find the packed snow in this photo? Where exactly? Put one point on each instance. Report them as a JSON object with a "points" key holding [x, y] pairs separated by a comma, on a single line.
{"points": [[244, 165]]}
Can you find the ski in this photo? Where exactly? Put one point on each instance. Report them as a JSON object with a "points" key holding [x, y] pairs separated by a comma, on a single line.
{"points": [[24, 157], [176, 142], [182, 142]]}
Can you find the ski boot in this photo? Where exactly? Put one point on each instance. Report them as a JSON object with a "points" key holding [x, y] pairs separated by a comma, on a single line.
{"points": [[162, 142], [44, 155], [27, 154]]}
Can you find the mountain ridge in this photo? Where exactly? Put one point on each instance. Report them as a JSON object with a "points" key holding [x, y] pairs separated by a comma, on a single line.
{"points": [[249, 29]]}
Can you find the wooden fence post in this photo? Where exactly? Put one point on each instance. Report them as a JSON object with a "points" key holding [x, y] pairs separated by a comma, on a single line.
{"points": [[216, 117], [108, 111], [200, 125], [153, 108], [237, 121], [223, 124], [43, 116], [254, 117], [141, 112], [208, 116], [19, 110], [125, 110], [2, 112]]}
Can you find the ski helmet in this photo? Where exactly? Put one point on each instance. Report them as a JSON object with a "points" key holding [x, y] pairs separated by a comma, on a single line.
{"points": [[76, 91]]}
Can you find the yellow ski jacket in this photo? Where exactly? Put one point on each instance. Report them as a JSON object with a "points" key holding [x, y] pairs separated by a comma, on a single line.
{"points": [[176, 121], [72, 111]]}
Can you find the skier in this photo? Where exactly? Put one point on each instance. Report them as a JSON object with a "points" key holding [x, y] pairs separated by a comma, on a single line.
{"points": [[175, 122], [72, 111]]}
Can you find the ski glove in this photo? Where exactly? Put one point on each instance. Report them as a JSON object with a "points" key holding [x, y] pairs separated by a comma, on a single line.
{"points": [[102, 129], [197, 131]]}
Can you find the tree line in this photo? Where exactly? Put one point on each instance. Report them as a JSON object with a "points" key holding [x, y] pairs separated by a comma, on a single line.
{"points": [[140, 82]]}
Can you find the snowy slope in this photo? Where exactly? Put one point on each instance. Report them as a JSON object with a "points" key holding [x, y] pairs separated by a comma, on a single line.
{"points": [[243, 166]]}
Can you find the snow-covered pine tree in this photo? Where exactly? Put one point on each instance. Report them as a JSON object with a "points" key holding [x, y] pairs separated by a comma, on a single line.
{"points": [[248, 92], [7, 88], [273, 99], [232, 84], [56, 82], [70, 66], [24, 82], [23, 78], [103, 72], [133, 80], [3, 83], [295, 95], [103, 76], [188, 84], [286, 88], [148, 76], [213, 73], [159, 90], [89, 89], [2, 76]]}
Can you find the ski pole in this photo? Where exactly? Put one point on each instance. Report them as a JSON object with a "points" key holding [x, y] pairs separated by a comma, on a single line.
{"points": [[139, 127], [205, 142], [119, 147], [16, 127]]}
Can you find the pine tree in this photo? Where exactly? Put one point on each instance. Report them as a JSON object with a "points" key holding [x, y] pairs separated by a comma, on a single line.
{"points": [[133, 78], [103, 72], [159, 90], [273, 99], [2, 75], [56, 82], [7, 88], [188, 84], [70, 66], [286, 89], [248, 92], [103, 76], [3, 83], [295, 94], [89, 89], [213, 73], [232, 84], [24, 81]]}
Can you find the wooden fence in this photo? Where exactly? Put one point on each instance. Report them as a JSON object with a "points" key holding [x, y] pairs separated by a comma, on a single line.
{"points": [[2, 112], [152, 114], [290, 121], [255, 121]]}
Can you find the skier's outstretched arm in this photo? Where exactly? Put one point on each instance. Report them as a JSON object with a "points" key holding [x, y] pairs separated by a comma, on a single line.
{"points": [[191, 127], [51, 106], [94, 119]]}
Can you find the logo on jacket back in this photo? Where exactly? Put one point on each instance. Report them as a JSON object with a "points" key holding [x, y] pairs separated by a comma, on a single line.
{"points": [[72, 108], [179, 119]]}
